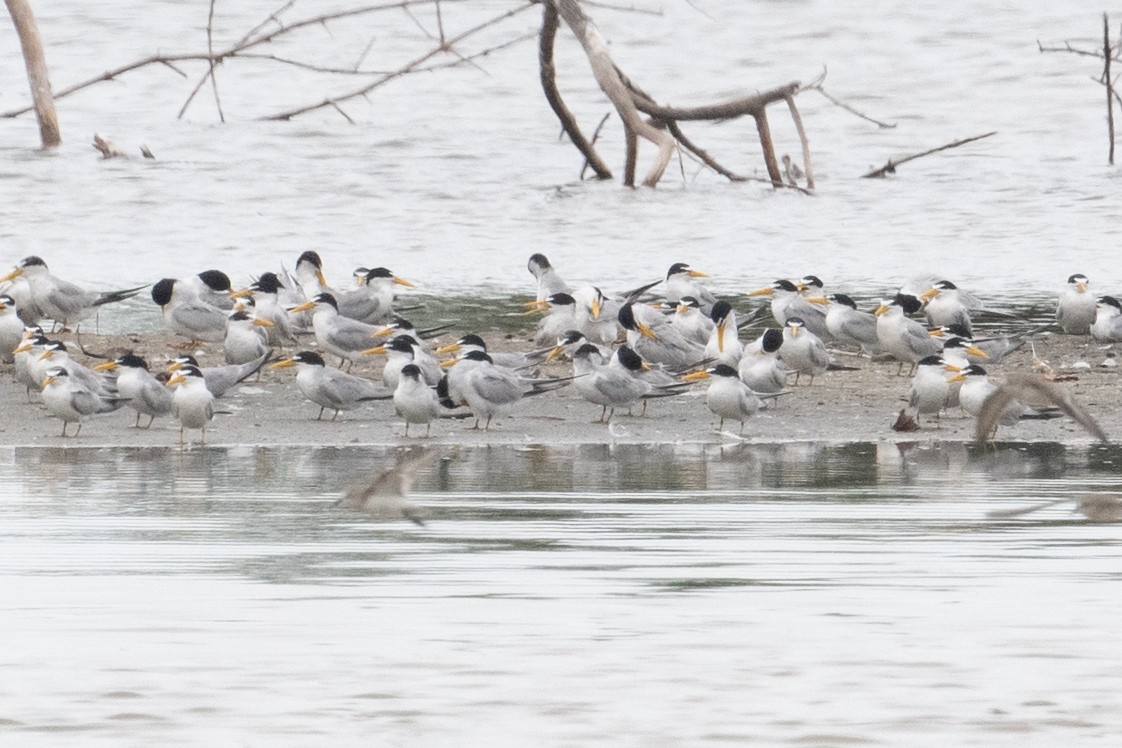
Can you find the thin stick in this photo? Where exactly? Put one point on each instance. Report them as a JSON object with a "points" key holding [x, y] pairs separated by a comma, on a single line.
{"points": [[890, 167], [1109, 86], [851, 110], [592, 143], [210, 52], [403, 70], [807, 168]]}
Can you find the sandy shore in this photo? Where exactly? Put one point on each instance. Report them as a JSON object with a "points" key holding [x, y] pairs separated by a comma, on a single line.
{"points": [[840, 406]]}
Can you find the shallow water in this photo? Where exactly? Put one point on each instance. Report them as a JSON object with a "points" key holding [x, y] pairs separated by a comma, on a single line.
{"points": [[796, 593], [452, 178]]}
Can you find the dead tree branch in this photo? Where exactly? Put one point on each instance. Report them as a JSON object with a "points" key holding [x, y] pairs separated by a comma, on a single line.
{"points": [[403, 70], [36, 63], [890, 167], [1109, 86]]}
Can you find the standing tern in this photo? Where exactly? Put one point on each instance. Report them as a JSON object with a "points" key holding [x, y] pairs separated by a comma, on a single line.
{"points": [[946, 307], [903, 338], [686, 315], [787, 302], [560, 317], [145, 394], [245, 341], [930, 388], [803, 352], [328, 387], [848, 324], [266, 295], [1075, 310], [64, 302], [490, 390], [372, 302], [415, 400], [657, 341], [192, 401], [616, 384], [71, 400], [727, 396], [724, 343], [11, 328], [338, 335], [400, 352]]}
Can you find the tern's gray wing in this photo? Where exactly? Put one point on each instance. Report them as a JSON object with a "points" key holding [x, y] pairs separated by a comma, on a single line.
{"points": [[860, 327], [619, 388], [346, 391], [200, 320], [153, 398], [352, 335], [495, 386], [916, 339], [70, 299], [365, 305]]}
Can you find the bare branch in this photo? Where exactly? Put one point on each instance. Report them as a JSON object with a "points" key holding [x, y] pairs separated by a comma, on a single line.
{"points": [[851, 110], [595, 137], [210, 53], [890, 167], [403, 70]]}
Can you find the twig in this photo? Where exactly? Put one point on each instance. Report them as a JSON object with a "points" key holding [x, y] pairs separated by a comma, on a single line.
{"points": [[890, 167], [413, 64], [851, 110], [701, 154], [210, 52], [1109, 86], [339, 109], [592, 143]]}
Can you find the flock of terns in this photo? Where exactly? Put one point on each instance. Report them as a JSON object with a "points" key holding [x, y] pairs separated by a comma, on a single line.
{"points": [[650, 342]]}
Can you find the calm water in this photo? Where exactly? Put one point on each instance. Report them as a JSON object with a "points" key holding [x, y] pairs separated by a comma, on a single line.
{"points": [[804, 594], [453, 178]]}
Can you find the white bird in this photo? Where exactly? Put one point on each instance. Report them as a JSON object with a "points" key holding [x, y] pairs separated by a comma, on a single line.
{"points": [[213, 287], [945, 307], [309, 275], [549, 282], [145, 394], [192, 402], [245, 341], [597, 315], [930, 388], [1107, 327], [727, 396], [71, 400], [402, 351], [803, 352], [724, 342], [55, 353], [62, 301], [372, 301], [680, 282], [509, 359], [328, 387], [904, 339], [268, 305], [850, 325], [489, 390], [760, 367], [686, 315], [415, 400], [11, 328], [1075, 310], [25, 355], [611, 385], [186, 313], [338, 335], [560, 317]]}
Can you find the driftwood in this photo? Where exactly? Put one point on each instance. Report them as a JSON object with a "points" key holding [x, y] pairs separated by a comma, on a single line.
{"points": [[890, 167], [42, 100], [662, 127]]}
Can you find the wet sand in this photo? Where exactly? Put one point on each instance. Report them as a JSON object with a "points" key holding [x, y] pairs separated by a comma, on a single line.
{"points": [[840, 406]]}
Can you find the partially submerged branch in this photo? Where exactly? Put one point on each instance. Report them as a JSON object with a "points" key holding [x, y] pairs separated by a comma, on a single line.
{"points": [[43, 102], [890, 167]]}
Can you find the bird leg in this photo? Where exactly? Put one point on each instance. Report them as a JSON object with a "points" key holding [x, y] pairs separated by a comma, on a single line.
{"points": [[320, 416]]}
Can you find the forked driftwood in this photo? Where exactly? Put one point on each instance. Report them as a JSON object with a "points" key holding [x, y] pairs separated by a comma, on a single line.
{"points": [[890, 167], [662, 126], [43, 102]]}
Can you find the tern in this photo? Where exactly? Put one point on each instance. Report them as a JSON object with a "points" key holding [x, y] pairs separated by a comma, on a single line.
{"points": [[680, 282], [192, 401], [62, 301], [615, 384], [686, 315], [489, 390], [338, 335], [930, 388], [727, 396], [549, 282], [724, 343], [787, 302], [657, 341], [245, 341], [848, 324], [71, 400], [372, 301], [1107, 327], [904, 339], [415, 400], [328, 387], [945, 307], [11, 328], [760, 367], [187, 314], [1075, 310], [803, 352], [266, 294], [400, 352], [145, 394], [975, 389], [384, 497], [221, 379], [560, 317]]}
